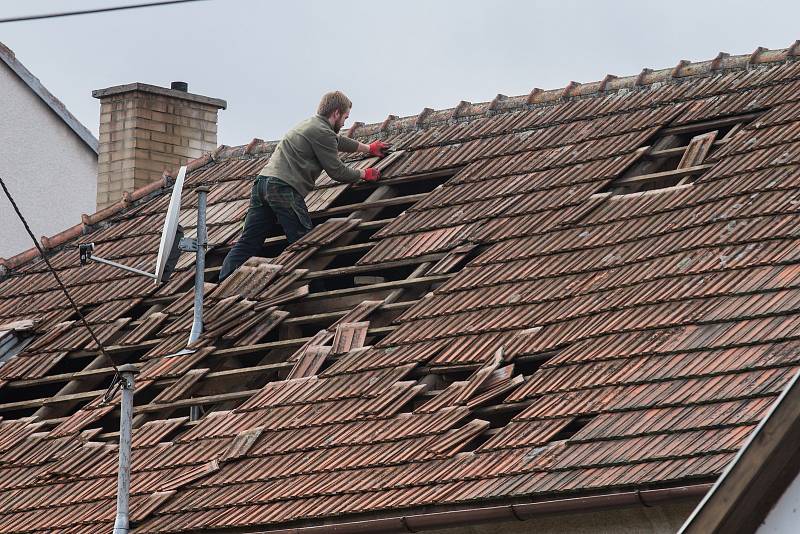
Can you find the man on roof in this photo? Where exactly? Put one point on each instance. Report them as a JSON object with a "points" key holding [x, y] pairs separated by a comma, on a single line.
{"points": [[282, 185]]}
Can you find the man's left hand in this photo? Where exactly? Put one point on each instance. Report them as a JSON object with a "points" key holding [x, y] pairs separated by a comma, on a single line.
{"points": [[378, 148], [370, 175]]}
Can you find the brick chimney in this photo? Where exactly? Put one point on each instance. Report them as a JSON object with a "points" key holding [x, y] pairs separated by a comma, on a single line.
{"points": [[145, 130]]}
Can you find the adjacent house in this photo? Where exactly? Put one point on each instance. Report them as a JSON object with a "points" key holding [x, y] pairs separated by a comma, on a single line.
{"points": [[48, 159], [564, 311]]}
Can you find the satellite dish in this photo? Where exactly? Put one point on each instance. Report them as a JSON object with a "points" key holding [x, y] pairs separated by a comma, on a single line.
{"points": [[170, 248], [168, 233]]}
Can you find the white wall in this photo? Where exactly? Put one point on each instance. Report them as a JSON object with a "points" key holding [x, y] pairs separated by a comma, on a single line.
{"points": [[50, 171], [784, 518]]}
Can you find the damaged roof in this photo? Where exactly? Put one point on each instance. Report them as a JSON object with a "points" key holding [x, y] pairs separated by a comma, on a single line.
{"points": [[572, 292]]}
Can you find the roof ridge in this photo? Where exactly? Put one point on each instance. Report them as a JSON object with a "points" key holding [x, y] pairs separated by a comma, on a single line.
{"points": [[501, 103], [610, 84]]}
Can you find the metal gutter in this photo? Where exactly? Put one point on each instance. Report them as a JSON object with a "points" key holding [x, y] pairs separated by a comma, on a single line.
{"points": [[493, 514], [58, 107]]}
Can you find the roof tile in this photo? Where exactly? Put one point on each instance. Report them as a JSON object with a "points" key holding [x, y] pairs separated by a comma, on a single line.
{"points": [[631, 339]]}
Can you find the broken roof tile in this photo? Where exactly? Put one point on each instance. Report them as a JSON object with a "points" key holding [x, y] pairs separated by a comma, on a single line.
{"points": [[632, 339]]}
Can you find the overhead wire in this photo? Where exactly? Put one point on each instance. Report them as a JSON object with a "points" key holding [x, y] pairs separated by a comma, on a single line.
{"points": [[64, 289], [92, 11]]}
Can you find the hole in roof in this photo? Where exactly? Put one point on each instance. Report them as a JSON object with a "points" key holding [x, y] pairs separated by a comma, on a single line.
{"points": [[18, 414], [424, 185], [529, 364], [477, 440], [498, 414], [11, 395], [256, 380], [412, 404], [65, 366], [195, 414], [146, 395], [74, 363], [678, 155], [345, 259], [109, 423], [414, 186], [390, 212], [308, 330], [214, 258], [366, 234], [366, 278], [329, 361], [352, 195], [13, 343], [572, 428], [143, 310], [470, 256]]}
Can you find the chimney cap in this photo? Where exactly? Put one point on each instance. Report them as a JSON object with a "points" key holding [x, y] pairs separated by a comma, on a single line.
{"points": [[163, 91]]}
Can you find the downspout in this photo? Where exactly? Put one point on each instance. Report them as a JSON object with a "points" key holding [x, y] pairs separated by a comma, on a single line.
{"points": [[493, 514]]}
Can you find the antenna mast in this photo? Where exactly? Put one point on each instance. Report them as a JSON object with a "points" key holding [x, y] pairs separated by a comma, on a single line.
{"points": [[126, 379], [172, 243], [200, 263]]}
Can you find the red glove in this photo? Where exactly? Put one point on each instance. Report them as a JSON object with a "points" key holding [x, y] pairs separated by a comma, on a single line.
{"points": [[378, 148], [371, 175]]}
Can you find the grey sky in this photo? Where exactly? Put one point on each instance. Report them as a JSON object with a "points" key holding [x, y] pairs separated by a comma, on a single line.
{"points": [[271, 60]]}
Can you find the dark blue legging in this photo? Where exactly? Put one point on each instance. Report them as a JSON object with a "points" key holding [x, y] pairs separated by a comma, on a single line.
{"points": [[271, 202]]}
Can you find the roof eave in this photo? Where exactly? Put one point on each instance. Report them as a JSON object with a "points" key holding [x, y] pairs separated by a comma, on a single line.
{"points": [[417, 522]]}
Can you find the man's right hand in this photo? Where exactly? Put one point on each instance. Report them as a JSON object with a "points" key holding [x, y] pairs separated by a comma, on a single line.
{"points": [[378, 148], [371, 175]]}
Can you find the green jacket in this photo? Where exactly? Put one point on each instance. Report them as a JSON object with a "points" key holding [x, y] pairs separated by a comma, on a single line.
{"points": [[309, 148]]}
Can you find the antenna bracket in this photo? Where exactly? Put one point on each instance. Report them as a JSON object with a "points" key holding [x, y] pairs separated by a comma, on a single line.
{"points": [[188, 244], [85, 251]]}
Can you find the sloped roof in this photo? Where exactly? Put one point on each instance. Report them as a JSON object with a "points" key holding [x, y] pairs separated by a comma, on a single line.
{"points": [[755, 490], [9, 58], [500, 322]]}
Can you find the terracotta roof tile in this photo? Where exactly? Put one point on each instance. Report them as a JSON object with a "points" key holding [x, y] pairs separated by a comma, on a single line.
{"points": [[539, 334]]}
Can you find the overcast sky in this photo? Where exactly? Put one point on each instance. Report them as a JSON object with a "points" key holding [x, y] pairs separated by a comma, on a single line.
{"points": [[272, 59]]}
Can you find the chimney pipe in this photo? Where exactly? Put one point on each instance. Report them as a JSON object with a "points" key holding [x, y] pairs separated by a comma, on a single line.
{"points": [[180, 86]]}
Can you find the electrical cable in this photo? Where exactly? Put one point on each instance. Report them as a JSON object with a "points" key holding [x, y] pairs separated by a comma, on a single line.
{"points": [[64, 289], [91, 11]]}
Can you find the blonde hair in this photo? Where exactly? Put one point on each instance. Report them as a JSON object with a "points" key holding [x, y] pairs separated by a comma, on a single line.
{"points": [[333, 101]]}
